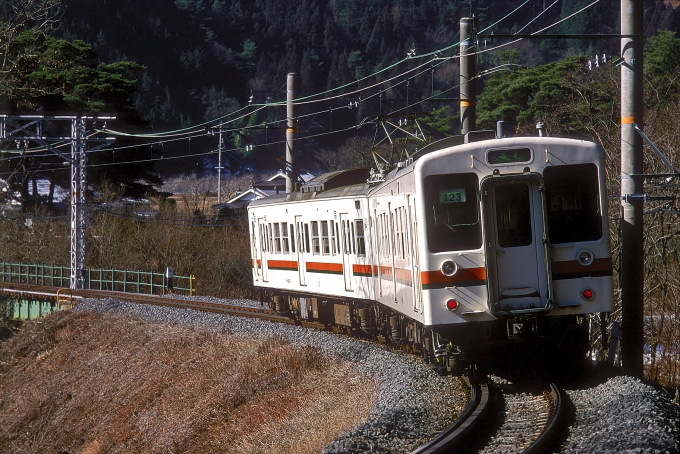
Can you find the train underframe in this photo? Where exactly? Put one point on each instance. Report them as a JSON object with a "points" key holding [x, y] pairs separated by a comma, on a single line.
{"points": [[461, 349]]}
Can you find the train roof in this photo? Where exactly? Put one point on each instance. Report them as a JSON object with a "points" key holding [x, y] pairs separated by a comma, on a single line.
{"points": [[355, 182]]}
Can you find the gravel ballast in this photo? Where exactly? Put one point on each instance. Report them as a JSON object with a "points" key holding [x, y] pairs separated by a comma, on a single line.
{"points": [[413, 403]]}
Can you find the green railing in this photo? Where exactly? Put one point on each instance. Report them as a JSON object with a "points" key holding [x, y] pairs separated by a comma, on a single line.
{"points": [[53, 276], [148, 282]]}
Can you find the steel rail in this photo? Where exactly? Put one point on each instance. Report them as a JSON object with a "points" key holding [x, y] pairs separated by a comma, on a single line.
{"points": [[240, 311], [473, 415], [552, 426]]}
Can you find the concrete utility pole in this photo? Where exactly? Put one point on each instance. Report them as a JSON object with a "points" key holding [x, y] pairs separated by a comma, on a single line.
{"points": [[468, 70], [219, 168], [293, 86], [632, 189]]}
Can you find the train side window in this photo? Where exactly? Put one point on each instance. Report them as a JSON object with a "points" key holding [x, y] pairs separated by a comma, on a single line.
{"points": [[348, 240], [292, 238], [384, 245], [378, 224], [360, 241], [270, 238], [307, 249], [301, 237], [263, 238], [285, 248], [277, 238], [333, 235], [401, 253], [325, 242], [316, 250], [452, 219], [573, 203]]}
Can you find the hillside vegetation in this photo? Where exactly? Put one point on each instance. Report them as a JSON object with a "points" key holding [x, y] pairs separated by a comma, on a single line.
{"points": [[89, 383]]}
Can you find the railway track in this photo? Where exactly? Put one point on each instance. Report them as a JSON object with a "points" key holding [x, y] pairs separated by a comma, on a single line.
{"points": [[481, 401], [528, 422], [68, 296], [538, 415], [521, 423]]}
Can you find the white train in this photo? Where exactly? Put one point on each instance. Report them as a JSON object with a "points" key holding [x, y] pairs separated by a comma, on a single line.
{"points": [[456, 251]]}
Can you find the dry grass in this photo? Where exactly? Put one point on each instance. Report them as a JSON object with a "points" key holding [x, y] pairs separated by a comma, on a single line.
{"points": [[83, 382]]}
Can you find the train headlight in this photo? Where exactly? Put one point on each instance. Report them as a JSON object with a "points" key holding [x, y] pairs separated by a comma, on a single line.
{"points": [[587, 294], [584, 257], [452, 305], [449, 268]]}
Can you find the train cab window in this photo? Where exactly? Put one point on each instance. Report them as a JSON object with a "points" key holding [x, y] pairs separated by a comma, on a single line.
{"points": [[360, 241], [573, 203], [334, 235], [452, 212], [285, 245], [325, 241], [292, 237], [307, 238], [316, 249]]}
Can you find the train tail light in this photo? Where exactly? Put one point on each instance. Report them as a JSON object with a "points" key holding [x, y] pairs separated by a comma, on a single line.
{"points": [[587, 294], [452, 305]]}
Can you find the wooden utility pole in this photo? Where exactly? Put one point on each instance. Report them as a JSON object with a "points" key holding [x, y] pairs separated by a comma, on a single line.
{"points": [[467, 76], [293, 86], [632, 190]]}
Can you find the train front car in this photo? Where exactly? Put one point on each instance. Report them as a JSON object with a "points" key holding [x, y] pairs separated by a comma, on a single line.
{"points": [[516, 243]]}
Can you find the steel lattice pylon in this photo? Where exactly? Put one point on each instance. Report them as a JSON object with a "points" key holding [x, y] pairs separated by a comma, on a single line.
{"points": [[78, 188], [28, 133]]}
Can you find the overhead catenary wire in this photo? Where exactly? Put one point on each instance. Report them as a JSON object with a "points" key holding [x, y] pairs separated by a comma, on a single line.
{"points": [[303, 100], [199, 130]]}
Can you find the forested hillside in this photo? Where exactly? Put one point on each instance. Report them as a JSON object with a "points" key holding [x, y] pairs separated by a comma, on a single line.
{"points": [[207, 58], [196, 61]]}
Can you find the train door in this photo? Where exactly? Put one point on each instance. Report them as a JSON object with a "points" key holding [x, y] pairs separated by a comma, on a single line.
{"points": [[300, 250], [346, 250], [412, 229], [256, 246], [517, 246], [262, 231], [393, 250]]}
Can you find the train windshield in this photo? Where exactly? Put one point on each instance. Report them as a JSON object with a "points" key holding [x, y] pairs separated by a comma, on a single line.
{"points": [[452, 210], [573, 205]]}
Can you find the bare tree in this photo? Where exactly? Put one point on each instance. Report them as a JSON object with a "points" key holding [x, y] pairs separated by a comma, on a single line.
{"points": [[193, 192], [354, 152]]}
